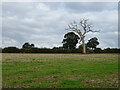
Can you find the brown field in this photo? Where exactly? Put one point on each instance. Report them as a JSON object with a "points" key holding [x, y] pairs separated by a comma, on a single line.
{"points": [[60, 70]]}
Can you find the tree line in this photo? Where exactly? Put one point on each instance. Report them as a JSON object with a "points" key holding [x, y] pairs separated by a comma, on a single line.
{"points": [[70, 41], [57, 50], [30, 48]]}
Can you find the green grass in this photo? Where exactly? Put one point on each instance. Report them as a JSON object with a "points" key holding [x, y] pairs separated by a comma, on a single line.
{"points": [[60, 70]]}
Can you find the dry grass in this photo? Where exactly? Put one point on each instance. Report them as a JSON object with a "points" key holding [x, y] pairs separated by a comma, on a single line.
{"points": [[60, 70]]}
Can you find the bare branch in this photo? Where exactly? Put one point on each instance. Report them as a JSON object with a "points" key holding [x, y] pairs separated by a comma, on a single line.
{"points": [[80, 41], [90, 30], [73, 26], [94, 31], [86, 27]]}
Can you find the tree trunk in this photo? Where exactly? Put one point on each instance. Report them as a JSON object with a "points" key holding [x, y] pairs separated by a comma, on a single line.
{"points": [[83, 45]]}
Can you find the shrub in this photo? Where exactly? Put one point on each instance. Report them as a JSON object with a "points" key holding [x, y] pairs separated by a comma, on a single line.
{"points": [[11, 50]]}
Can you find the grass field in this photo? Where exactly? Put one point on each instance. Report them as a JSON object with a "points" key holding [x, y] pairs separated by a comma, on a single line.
{"points": [[60, 70]]}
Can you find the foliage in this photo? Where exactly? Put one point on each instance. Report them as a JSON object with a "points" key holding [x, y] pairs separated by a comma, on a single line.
{"points": [[0, 50], [27, 45], [70, 40], [111, 50], [11, 50], [98, 50], [81, 28], [92, 43], [87, 49], [57, 50]]}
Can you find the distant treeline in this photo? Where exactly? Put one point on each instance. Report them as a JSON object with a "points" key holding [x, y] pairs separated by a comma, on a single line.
{"points": [[57, 50]]}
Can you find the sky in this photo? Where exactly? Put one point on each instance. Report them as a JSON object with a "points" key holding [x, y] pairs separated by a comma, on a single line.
{"points": [[44, 24]]}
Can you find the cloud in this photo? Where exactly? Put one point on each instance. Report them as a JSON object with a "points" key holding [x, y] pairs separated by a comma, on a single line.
{"points": [[89, 7], [44, 23]]}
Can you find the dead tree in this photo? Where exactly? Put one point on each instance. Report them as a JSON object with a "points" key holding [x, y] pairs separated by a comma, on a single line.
{"points": [[82, 28]]}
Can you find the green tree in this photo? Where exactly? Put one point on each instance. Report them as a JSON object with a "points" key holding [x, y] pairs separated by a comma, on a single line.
{"points": [[70, 40], [32, 45], [92, 43], [27, 45], [81, 28]]}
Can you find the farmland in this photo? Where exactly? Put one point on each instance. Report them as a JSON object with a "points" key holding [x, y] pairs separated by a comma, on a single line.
{"points": [[59, 70]]}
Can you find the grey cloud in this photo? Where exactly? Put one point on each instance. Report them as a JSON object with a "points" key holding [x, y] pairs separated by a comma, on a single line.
{"points": [[89, 7], [82, 6], [44, 23]]}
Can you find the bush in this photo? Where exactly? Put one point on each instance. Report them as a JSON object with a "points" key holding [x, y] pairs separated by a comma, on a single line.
{"points": [[98, 50], [111, 50], [57, 50], [11, 50]]}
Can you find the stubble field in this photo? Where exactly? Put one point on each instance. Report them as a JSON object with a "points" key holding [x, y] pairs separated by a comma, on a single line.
{"points": [[59, 70]]}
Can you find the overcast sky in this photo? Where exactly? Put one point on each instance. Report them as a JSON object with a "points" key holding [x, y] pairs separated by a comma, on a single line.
{"points": [[43, 24]]}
